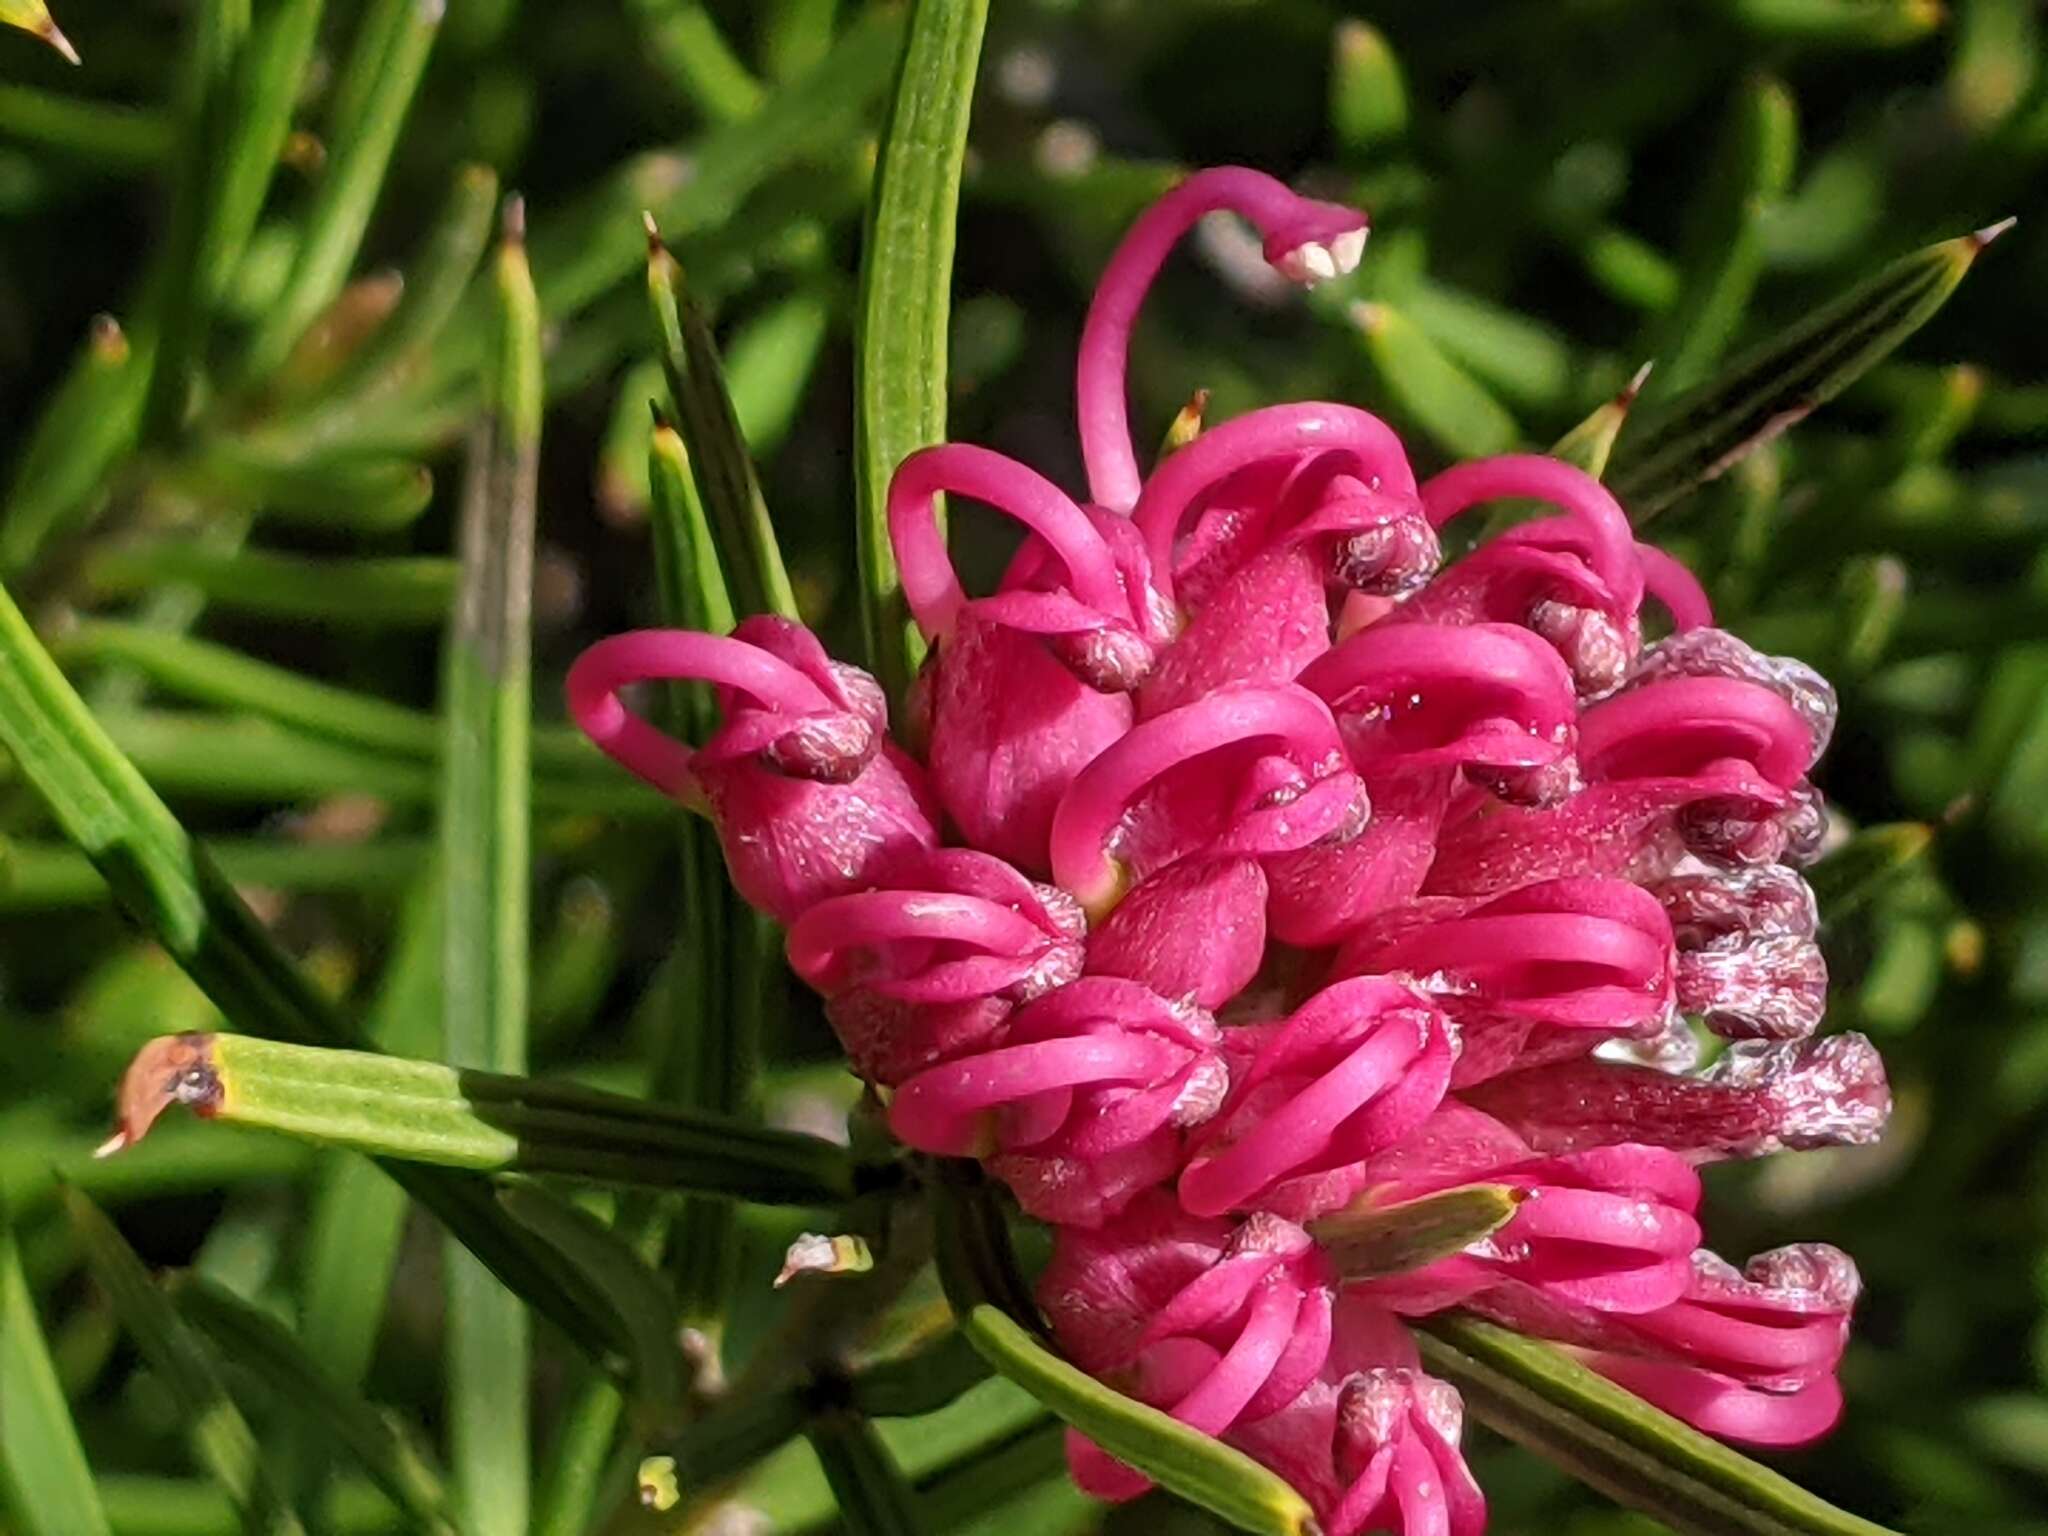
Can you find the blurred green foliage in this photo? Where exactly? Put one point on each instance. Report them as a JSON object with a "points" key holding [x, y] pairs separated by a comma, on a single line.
{"points": [[232, 506]]}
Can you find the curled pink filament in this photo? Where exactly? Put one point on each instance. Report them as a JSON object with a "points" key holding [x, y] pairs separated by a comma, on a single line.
{"points": [[1305, 240], [1609, 542], [1611, 1229], [1724, 1407], [1352, 1071], [1411, 696], [928, 966], [1731, 735], [1580, 953], [932, 588], [1296, 791], [1671, 584], [1218, 1327], [1094, 1080], [1367, 447], [1396, 1444]]}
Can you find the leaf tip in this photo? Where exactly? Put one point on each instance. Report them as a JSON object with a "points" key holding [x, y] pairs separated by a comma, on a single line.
{"points": [[512, 220], [1980, 238], [174, 1069], [52, 34], [1634, 387]]}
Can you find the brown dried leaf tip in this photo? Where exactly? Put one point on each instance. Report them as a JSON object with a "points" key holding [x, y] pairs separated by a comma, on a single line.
{"points": [[176, 1069]]}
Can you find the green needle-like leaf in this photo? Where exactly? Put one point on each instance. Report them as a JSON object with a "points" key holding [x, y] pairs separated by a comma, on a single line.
{"points": [[256, 1343], [1369, 1239], [988, 1297], [92, 419], [220, 1436], [874, 1499], [424, 1111], [1439, 396], [348, 192], [718, 453], [684, 41], [400, 589], [486, 871], [1868, 23], [1769, 389], [43, 877], [169, 886], [1542, 1399], [906, 288], [95, 133], [46, 1485]]}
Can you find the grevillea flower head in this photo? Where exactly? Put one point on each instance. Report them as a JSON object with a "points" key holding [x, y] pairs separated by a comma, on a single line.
{"points": [[1217, 1323], [930, 963], [1081, 1102], [1351, 1072], [808, 795], [1307, 906]]}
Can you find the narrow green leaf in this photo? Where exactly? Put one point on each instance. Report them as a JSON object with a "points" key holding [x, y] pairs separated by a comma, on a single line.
{"points": [[1440, 397], [92, 420], [874, 1499], [181, 283], [269, 76], [101, 134], [220, 1436], [402, 589], [33, 17], [45, 1482], [1590, 444], [1630, 270], [371, 495], [1873, 591], [718, 453], [1767, 390], [795, 35], [1996, 59], [994, 1477], [1544, 1400], [216, 674], [987, 1297], [1866, 23], [921, 1382], [906, 287], [40, 877], [170, 887], [486, 869], [579, 1458], [684, 42], [770, 364], [424, 1111], [434, 284], [256, 1343], [1723, 250], [1368, 97], [1863, 866], [1368, 1239], [1526, 361], [349, 189], [639, 1300]]}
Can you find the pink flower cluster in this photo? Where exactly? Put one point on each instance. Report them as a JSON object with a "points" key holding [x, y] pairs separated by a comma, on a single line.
{"points": [[1247, 872]]}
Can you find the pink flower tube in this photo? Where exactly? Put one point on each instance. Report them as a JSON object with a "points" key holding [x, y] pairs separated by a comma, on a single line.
{"points": [[1724, 1407], [1082, 1102], [1552, 968], [1305, 241], [806, 792], [1611, 1229], [1216, 1324], [1351, 1072], [1758, 1097], [929, 965]]}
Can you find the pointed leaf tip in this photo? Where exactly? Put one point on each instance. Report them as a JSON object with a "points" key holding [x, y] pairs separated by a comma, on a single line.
{"points": [[1980, 238], [1634, 386], [512, 221], [50, 33]]}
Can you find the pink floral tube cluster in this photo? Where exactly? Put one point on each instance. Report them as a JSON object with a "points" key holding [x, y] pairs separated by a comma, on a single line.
{"points": [[1248, 869]]}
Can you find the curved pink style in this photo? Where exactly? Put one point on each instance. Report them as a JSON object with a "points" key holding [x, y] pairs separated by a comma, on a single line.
{"points": [[1370, 452], [1671, 584], [1351, 1072], [808, 796], [1216, 1324], [1305, 240], [1722, 1406], [1411, 696], [931, 587], [1591, 506], [930, 965], [1080, 1104], [1396, 1444], [1294, 792]]}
